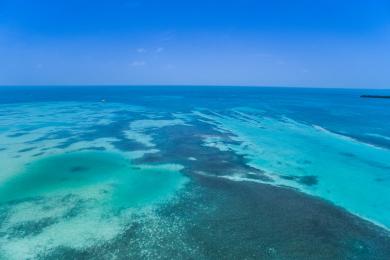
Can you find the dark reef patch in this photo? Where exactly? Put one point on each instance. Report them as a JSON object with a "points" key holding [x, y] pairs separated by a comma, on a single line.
{"points": [[351, 155], [222, 219], [93, 148], [128, 145], [309, 180], [367, 161], [79, 169], [177, 143], [115, 129], [4, 209], [18, 134], [256, 177], [38, 154], [59, 134], [250, 220], [26, 149], [29, 228], [306, 162]]}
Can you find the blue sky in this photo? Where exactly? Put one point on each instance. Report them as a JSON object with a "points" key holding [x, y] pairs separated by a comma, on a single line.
{"points": [[323, 43]]}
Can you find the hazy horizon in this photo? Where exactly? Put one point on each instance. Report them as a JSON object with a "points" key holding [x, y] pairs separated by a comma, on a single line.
{"points": [[189, 85]]}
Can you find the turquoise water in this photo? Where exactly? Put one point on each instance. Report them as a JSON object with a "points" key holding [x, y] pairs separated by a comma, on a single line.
{"points": [[127, 185], [193, 172], [349, 173]]}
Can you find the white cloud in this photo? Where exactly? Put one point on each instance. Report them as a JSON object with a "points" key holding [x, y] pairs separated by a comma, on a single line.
{"points": [[138, 63]]}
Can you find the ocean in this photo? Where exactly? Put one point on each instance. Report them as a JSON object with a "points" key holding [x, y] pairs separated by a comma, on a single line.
{"points": [[188, 172]]}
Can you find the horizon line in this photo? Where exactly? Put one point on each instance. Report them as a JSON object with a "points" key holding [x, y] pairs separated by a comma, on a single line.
{"points": [[190, 85]]}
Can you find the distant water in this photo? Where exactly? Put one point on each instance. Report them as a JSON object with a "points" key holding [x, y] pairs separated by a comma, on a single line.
{"points": [[194, 172]]}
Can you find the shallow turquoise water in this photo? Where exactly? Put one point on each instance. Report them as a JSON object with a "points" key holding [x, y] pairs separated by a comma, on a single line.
{"points": [[349, 173], [182, 172], [127, 185]]}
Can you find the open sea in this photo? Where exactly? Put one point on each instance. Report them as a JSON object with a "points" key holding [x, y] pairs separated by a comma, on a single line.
{"points": [[116, 172]]}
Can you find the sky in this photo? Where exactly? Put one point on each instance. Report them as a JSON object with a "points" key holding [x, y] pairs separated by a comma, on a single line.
{"points": [[300, 43]]}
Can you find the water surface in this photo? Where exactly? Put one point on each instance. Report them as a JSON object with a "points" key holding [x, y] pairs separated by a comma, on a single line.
{"points": [[193, 172]]}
